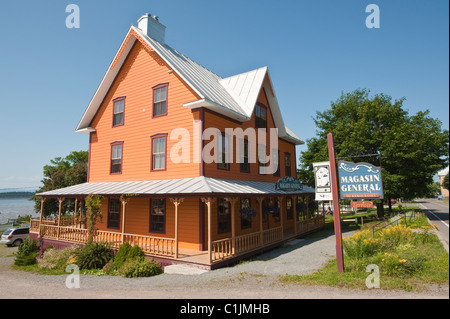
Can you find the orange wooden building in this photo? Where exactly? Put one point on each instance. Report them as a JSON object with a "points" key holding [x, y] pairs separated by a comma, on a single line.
{"points": [[185, 160]]}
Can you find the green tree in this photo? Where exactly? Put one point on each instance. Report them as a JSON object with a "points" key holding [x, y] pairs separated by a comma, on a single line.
{"points": [[411, 148], [62, 172], [93, 214]]}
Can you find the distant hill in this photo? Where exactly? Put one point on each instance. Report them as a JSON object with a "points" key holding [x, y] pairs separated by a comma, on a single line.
{"points": [[21, 189], [12, 195]]}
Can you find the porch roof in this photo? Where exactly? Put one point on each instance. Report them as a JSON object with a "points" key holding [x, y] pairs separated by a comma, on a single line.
{"points": [[181, 187]]}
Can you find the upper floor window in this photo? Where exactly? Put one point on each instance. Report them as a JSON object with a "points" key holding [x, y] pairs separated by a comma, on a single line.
{"points": [[244, 163], [116, 157], [159, 152], [160, 99], [260, 116], [276, 162], [287, 164], [118, 112], [222, 161]]}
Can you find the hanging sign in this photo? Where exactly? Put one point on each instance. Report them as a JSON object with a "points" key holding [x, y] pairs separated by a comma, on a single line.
{"points": [[289, 184], [359, 180], [323, 181]]}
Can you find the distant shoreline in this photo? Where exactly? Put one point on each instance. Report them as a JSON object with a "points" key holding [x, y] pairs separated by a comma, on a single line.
{"points": [[16, 195]]}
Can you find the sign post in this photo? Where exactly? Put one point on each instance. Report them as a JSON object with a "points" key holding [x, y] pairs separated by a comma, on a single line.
{"points": [[336, 213]]}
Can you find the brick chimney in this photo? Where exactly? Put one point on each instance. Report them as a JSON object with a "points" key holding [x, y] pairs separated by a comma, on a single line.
{"points": [[152, 27]]}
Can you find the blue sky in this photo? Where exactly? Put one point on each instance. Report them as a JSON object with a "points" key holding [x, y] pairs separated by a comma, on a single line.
{"points": [[315, 50]]}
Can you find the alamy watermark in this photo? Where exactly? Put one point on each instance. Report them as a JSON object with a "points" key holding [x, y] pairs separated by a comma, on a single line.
{"points": [[73, 280], [73, 19], [373, 19], [373, 280], [216, 146]]}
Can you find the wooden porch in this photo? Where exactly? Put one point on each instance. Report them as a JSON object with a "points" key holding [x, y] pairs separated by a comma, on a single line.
{"points": [[165, 250]]}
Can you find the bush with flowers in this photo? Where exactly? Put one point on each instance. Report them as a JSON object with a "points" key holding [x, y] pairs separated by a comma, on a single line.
{"points": [[391, 248]]}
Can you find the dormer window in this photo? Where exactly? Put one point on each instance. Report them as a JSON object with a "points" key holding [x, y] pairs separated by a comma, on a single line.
{"points": [[260, 116], [160, 99], [118, 112]]}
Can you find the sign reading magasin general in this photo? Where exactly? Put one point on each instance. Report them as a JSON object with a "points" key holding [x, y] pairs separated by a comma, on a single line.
{"points": [[359, 180]]}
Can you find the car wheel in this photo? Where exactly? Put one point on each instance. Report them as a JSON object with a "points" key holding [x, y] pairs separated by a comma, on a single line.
{"points": [[17, 242]]}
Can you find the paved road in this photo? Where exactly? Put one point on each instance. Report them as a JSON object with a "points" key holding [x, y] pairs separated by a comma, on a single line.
{"points": [[437, 212]]}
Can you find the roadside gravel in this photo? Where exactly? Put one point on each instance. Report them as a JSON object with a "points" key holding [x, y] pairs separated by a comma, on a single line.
{"points": [[257, 278]]}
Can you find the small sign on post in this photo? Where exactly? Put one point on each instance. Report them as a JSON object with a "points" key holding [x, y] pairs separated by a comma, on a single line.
{"points": [[360, 204], [323, 181]]}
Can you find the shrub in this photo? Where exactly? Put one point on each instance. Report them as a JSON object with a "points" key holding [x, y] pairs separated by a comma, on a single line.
{"points": [[122, 254], [109, 268], [127, 252], [27, 253], [140, 267], [135, 252], [58, 258], [94, 255]]}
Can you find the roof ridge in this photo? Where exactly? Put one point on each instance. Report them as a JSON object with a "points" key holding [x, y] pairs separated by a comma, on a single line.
{"points": [[184, 55]]}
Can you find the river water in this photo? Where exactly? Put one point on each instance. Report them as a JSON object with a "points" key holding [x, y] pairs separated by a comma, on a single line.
{"points": [[13, 208]]}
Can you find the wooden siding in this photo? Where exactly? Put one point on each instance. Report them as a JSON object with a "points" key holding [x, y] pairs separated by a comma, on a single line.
{"points": [[137, 220], [212, 120], [142, 70]]}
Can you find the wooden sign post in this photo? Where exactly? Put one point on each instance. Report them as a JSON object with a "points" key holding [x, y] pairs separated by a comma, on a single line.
{"points": [[335, 194]]}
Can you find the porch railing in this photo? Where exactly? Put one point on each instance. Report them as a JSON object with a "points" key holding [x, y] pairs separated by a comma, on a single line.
{"points": [[228, 247], [149, 244], [220, 249]]}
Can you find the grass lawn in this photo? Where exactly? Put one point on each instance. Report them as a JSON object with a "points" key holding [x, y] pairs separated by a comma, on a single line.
{"points": [[406, 259]]}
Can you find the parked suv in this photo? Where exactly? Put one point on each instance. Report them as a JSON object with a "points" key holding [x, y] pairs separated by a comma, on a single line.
{"points": [[15, 236]]}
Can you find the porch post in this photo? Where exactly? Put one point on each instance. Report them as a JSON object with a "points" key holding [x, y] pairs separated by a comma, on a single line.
{"points": [[294, 204], [75, 212], [208, 202], [81, 214], [42, 215], [260, 200], [124, 200], [60, 200], [233, 201], [280, 199], [176, 202]]}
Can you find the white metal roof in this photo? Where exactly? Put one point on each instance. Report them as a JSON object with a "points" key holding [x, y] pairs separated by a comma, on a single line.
{"points": [[192, 186], [234, 97]]}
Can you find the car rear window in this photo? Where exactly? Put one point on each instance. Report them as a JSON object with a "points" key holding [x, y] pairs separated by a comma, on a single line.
{"points": [[7, 232]]}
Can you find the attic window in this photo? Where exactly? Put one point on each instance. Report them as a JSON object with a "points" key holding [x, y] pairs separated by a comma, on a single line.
{"points": [[160, 99], [260, 116]]}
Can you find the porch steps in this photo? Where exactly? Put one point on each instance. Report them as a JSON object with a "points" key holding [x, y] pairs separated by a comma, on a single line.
{"points": [[180, 269]]}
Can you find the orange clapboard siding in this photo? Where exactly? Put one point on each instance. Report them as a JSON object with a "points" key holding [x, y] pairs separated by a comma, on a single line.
{"points": [[216, 121], [137, 220], [140, 73]]}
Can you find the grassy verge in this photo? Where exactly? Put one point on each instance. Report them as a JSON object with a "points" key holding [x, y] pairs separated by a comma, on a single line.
{"points": [[407, 259]]}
